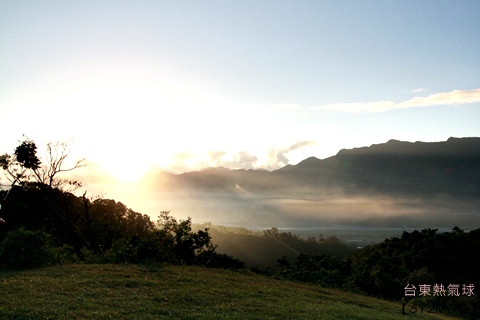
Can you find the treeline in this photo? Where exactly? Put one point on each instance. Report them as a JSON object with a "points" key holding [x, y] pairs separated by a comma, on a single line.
{"points": [[385, 269], [260, 250], [44, 226], [42, 222]]}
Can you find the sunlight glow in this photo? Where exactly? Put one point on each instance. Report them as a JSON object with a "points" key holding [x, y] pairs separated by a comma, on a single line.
{"points": [[129, 119], [127, 173]]}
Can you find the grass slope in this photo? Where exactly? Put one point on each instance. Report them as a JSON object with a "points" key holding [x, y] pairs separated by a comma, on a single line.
{"points": [[83, 291]]}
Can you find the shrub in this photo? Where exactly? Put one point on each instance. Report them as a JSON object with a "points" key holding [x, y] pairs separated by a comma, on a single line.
{"points": [[88, 256], [65, 254], [219, 260], [24, 249]]}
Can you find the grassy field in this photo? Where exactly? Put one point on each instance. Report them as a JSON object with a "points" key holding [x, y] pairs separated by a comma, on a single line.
{"points": [[85, 291]]}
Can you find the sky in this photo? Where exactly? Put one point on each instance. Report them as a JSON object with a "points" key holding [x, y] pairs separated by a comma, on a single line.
{"points": [[184, 85]]}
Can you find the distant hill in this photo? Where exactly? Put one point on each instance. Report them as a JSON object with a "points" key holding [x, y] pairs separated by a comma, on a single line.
{"points": [[450, 167], [390, 184]]}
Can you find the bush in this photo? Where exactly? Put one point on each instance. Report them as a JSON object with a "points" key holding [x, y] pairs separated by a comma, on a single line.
{"points": [[65, 254], [88, 256], [219, 260], [180, 244], [136, 250], [24, 249]]}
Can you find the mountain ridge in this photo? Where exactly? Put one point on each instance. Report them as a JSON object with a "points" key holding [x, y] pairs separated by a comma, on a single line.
{"points": [[390, 145], [396, 166], [447, 167], [389, 184]]}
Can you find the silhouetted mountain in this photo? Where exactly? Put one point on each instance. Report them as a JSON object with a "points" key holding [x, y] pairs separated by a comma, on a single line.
{"points": [[391, 184], [451, 167]]}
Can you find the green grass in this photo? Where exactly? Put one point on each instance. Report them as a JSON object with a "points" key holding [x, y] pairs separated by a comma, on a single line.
{"points": [[83, 291]]}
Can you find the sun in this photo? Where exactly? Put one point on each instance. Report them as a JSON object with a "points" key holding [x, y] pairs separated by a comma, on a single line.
{"points": [[122, 168], [134, 165], [128, 174]]}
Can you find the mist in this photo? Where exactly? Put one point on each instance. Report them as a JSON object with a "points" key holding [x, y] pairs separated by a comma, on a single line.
{"points": [[392, 185], [241, 207]]}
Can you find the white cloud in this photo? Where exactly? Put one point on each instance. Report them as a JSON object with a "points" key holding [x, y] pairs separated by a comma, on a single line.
{"points": [[288, 106], [299, 144], [418, 90], [277, 158], [456, 97], [238, 160], [274, 158]]}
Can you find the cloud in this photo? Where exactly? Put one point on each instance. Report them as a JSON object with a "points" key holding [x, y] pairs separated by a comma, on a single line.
{"points": [[242, 160], [446, 98], [278, 158], [281, 158], [216, 157], [288, 106], [455, 97], [300, 144], [418, 90], [274, 159]]}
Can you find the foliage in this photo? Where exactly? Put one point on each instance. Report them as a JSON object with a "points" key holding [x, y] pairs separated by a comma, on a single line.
{"points": [[213, 259], [102, 222], [93, 230], [65, 254], [137, 250], [385, 269], [98, 230], [24, 158], [26, 155], [24, 165], [326, 270], [45, 224], [24, 249], [261, 250], [65, 228], [103, 230], [182, 244]]}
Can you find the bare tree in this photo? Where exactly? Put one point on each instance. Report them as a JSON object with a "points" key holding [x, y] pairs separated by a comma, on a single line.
{"points": [[46, 173], [24, 166]]}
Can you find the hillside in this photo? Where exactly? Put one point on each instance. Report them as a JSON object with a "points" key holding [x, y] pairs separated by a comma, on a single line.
{"points": [[392, 184], [83, 291], [264, 250], [451, 167], [401, 168]]}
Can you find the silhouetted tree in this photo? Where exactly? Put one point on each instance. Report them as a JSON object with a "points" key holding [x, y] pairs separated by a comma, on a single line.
{"points": [[183, 245], [47, 173], [54, 202], [41, 206], [16, 167], [25, 166]]}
